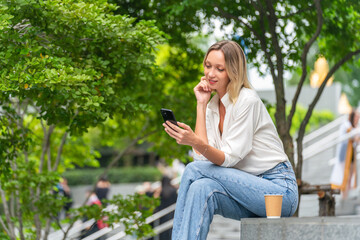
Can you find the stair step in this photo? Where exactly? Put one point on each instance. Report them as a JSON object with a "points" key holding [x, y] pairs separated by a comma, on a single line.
{"points": [[224, 229]]}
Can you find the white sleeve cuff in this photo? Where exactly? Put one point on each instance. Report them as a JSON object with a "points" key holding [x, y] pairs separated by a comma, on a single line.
{"points": [[229, 161], [198, 157]]}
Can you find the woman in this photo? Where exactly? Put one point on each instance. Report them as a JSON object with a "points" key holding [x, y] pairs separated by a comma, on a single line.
{"points": [[344, 175], [244, 157]]}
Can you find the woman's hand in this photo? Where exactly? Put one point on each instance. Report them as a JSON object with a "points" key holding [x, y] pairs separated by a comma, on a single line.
{"points": [[202, 91], [183, 134]]}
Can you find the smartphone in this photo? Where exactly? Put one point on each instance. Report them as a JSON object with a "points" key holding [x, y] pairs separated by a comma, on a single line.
{"points": [[168, 115]]}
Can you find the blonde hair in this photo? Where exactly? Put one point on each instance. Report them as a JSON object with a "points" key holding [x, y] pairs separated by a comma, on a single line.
{"points": [[235, 65]]}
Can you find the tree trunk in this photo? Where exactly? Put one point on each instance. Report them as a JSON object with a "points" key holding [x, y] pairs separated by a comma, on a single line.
{"points": [[289, 148]]}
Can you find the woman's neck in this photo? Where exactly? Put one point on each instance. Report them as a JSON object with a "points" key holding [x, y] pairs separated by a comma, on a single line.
{"points": [[221, 94]]}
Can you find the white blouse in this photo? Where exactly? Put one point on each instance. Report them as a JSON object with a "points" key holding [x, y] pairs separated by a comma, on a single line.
{"points": [[249, 140]]}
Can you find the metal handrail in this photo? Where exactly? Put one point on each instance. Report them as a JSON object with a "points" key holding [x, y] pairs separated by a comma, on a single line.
{"points": [[59, 234], [161, 213], [323, 142], [159, 229], [102, 232], [320, 131], [117, 236], [163, 227], [324, 129], [329, 144]]}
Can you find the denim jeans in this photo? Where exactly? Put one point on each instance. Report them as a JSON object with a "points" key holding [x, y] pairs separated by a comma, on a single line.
{"points": [[207, 189]]}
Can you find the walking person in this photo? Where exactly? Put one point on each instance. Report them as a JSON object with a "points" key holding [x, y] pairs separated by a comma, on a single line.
{"points": [[344, 173], [238, 155]]}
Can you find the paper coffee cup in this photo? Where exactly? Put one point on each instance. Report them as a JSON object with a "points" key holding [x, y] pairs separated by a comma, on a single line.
{"points": [[273, 205]]}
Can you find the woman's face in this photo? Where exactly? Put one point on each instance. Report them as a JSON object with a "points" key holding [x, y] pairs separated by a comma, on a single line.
{"points": [[215, 72]]}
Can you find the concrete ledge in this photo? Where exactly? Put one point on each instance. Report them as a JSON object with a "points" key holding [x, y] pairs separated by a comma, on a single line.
{"points": [[312, 228]]}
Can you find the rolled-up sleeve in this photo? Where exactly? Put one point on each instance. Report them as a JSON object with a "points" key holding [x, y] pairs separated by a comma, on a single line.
{"points": [[198, 157], [238, 143]]}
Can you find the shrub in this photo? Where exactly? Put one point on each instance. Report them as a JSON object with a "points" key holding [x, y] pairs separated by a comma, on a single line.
{"points": [[115, 175]]}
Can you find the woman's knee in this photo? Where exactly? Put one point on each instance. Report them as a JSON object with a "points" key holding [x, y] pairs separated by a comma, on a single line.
{"points": [[192, 169], [203, 186], [198, 166]]}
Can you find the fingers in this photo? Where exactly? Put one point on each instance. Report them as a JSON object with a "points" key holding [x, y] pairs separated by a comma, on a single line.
{"points": [[171, 133], [179, 134], [183, 125], [203, 85], [172, 127], [177, 127]]}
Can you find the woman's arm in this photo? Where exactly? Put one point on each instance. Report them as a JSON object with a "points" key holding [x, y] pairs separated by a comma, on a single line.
{"points": [[202, 93], [186, 136], [200, 127], [198, 139]]}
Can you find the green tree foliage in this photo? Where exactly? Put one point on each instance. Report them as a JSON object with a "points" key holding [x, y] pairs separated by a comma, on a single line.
{"points": [[318, 118], [278, 34], [180, 62], [65, 66], [131, 210], [350, 80], [347, 76]]}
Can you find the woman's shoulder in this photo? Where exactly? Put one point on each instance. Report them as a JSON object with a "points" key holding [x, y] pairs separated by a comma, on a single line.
{"points": [[248, 96], [248, 100], [248, 92]]}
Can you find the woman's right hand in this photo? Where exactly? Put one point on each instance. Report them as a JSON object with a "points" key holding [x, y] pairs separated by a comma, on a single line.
{"points": [[202, 91]]}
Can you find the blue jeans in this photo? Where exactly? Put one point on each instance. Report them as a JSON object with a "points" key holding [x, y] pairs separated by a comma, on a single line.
{"points": [[207, 189]]}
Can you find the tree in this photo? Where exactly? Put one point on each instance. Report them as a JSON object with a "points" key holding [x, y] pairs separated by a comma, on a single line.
{"points": [[278, 34], [347, 76], [65, 66], [350, 79], [179, 72]]}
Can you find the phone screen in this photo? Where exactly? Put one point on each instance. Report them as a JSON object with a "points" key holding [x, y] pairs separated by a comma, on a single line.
{"points": [[168, 115]]}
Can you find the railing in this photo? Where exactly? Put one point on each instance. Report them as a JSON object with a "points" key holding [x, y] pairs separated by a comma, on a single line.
{"points": [[324, 129], [74, 231], [327, 143], [161, 228]]}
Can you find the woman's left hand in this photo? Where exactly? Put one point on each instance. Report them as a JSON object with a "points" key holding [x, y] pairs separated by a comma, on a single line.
{"points": [[182, 133]]}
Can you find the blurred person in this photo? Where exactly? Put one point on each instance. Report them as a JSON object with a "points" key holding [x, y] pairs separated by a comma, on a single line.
{"points": [[102, 189], [67, 195], [148, 191], [99, 224], [168, 196], [63, 190], [344, 173]]}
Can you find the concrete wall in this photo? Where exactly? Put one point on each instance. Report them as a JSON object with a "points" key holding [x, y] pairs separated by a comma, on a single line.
{"points": [[312, 228]]}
